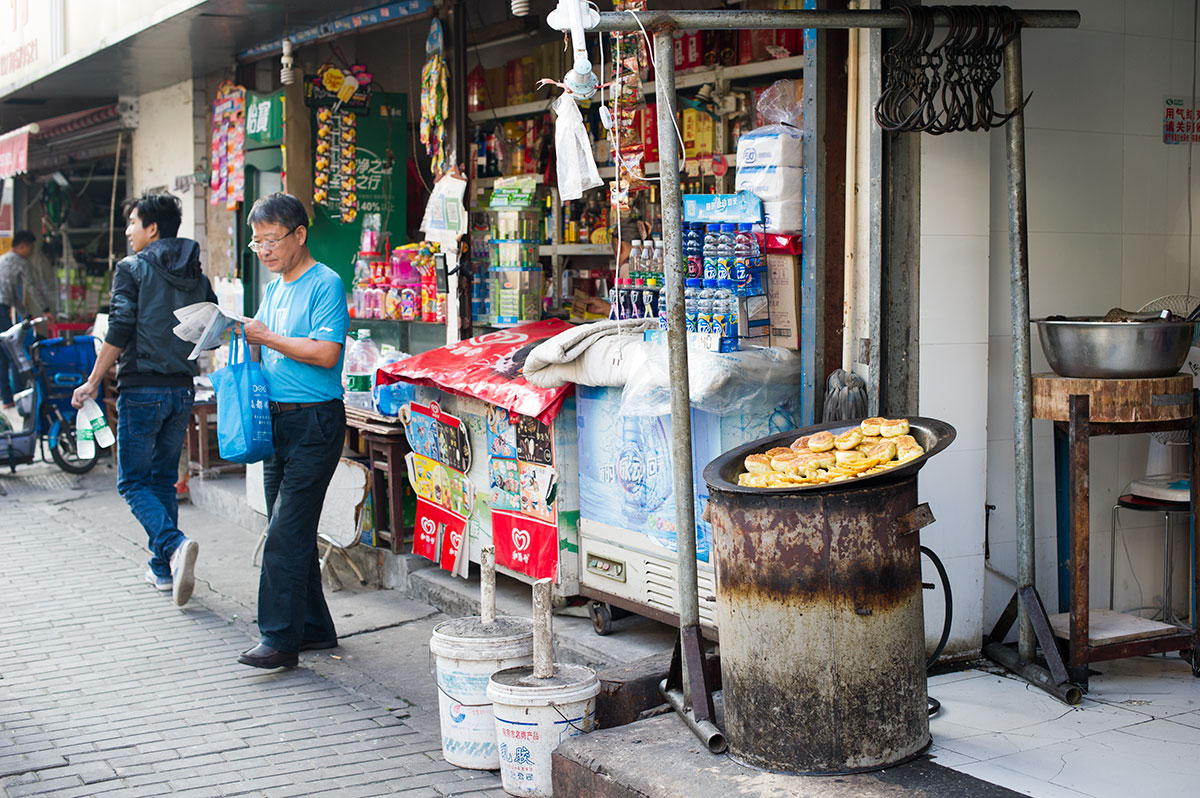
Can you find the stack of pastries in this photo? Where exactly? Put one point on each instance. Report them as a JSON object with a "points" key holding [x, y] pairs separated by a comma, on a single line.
{"points": [[875, 445]]}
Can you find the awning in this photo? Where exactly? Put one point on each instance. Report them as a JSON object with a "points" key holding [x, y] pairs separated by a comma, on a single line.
{"points": [[75, 138], [14, 151]]}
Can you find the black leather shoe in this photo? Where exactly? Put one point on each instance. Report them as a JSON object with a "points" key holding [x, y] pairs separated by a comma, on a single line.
{"points": [[263, 656], [318, 645]]}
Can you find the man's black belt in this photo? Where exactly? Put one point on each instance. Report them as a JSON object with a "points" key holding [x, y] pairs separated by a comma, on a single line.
{"points": [[283, 407]]}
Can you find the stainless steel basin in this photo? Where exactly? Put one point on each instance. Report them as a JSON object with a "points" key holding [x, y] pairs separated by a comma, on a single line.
{"points": [[1086, 346]]}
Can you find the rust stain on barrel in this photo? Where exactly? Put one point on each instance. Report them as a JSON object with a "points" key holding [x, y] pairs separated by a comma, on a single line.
{"points": [[819, 605], [820, 546]]}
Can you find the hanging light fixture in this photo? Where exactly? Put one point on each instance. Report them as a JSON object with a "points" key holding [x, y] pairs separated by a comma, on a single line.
{"points": [[287, 72], [520, 8]]}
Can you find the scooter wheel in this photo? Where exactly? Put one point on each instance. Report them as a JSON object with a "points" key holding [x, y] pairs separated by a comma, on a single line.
{"points": [[66, 456]]}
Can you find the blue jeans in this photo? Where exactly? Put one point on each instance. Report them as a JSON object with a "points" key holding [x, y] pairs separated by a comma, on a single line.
{"points": [[291, 604], [151, 425]]}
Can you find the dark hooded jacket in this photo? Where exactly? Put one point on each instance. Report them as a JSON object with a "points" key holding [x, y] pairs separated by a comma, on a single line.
{"points": [[148, 287]]}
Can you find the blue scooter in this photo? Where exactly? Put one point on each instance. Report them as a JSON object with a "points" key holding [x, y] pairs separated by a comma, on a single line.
{"points": [[53, 368]]}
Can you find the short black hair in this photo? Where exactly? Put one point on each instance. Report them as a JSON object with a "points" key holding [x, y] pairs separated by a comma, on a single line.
{"points": [[278, 208], [164, 209], [23, 237]]}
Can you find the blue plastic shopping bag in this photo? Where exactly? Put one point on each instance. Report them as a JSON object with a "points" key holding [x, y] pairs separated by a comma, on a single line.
{"points": [[243, 406]]}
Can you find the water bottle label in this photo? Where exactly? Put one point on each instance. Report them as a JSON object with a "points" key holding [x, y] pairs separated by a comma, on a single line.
{"points": [[358, 382], [719, 324], [724, 268], [704, 324], [690, 322], [710, 268], [695, 266]]}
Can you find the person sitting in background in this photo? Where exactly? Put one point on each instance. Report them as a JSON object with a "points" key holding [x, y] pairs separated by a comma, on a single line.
{"points": [[19, 292]]}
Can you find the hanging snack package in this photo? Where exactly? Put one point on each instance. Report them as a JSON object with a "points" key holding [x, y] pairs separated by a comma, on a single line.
{"points": [[628, 106], [770, 159]]}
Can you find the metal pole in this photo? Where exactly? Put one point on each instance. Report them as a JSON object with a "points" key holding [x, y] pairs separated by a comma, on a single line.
{"points": [[676, 272], [1018, 243], [728, 19]]}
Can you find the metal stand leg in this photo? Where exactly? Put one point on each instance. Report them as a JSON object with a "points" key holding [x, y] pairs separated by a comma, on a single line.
{"points": [[1112, 554]]}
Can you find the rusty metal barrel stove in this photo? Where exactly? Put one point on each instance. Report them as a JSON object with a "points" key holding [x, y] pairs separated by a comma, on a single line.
{"points": [[819, 610]]}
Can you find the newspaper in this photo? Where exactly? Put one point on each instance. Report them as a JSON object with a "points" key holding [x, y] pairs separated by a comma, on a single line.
{"points": [[204, 324]]}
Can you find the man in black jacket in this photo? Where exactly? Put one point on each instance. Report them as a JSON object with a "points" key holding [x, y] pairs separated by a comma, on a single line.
{"points": [[154, 379]]}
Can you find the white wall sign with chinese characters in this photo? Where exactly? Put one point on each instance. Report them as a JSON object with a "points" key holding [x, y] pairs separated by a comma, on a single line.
{"points": [[1179, 120]]}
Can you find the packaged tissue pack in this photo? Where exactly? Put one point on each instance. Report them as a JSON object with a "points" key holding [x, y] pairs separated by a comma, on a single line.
{"points": [[770, 159]]}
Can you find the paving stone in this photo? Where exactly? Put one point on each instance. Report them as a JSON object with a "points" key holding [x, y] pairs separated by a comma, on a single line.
{"points": [[117, 692]]}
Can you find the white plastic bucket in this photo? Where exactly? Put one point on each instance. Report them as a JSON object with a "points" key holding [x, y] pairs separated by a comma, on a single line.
{"points": [[468, 653], [533, 716]]}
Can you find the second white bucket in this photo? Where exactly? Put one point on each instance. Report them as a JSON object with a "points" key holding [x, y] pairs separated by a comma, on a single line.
{"points": [[468, 653], [533, 716]]}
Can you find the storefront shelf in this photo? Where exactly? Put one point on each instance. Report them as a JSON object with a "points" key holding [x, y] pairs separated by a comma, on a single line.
{"points": [[688, 80], [509, 111], [575, 249]]}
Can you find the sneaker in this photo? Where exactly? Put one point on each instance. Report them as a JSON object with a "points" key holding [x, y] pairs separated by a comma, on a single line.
{"points": [[183, 565], [162, 583]]}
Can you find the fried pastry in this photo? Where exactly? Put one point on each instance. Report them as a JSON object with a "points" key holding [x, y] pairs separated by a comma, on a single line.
{"points": [[870, 426], [848, 439], [821, 442], [801, 444], [894, 428], [783, 459], [758, 464]]}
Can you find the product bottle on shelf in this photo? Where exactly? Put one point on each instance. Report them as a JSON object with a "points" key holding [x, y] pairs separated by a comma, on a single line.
{"points": [[637, 299], [635, 259], [693, 249], [741, 259], [650, 296], [657, 259], [691, 299], [360, 371], [725, 267], [725, 306], [720, 310], [704, 306], [710, 252]]}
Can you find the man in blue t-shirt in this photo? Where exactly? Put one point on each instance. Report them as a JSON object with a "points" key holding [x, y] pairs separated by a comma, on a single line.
{"points": [[300, 328]]}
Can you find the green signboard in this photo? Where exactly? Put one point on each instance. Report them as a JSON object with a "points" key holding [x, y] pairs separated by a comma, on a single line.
{"points": [[264, 120], [381, 169]]}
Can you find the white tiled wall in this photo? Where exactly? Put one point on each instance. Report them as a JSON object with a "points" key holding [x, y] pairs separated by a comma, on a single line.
{"points": [[1108, 227], [953, 361]]}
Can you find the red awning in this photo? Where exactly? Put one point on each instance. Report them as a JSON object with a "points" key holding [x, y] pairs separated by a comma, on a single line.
{"points": [[69, 123], [14, 151]]}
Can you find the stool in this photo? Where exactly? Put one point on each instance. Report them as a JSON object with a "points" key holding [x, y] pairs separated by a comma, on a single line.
{"points": [[385, 458], [1130, 502]]}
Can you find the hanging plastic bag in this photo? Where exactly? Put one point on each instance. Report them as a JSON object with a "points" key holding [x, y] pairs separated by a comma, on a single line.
{"points": [[243, 406], [573, 151]]}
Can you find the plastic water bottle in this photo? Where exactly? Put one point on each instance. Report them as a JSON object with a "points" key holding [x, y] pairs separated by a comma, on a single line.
{"points": [[361, 362], [638, 299], [725, 267], [741, 259], [625, 298], [657, 259], [710, 252], [725, 313], [704, 306], [661, 306], [635, 259], [693, 249], [691, 299]]}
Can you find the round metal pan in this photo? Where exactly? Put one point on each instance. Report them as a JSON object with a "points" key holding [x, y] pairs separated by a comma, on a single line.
{"points": [[722, 473]]}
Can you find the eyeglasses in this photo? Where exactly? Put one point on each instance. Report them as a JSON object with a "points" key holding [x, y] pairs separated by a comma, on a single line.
{"points": [[268, 244]]}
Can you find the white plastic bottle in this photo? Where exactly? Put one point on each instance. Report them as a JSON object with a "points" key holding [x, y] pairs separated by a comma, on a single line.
{"points": [[691, 299], [361, 362]]}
